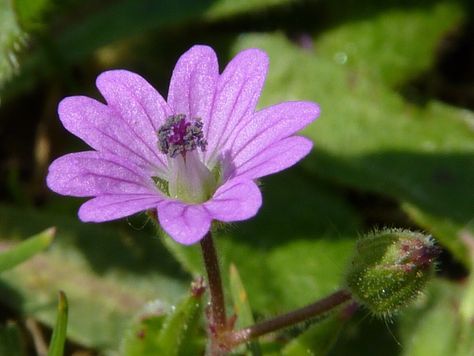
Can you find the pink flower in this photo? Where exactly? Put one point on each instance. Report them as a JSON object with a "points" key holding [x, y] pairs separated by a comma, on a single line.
{"points": [[194, 158]]}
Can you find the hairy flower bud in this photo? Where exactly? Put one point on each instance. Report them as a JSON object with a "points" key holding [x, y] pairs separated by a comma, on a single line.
{"points": [[390, 268]]}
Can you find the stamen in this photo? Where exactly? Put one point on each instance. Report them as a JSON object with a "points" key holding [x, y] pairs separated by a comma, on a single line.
{"points": [[178, 136]]}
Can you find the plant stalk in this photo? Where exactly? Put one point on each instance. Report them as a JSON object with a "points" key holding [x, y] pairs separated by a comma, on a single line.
{"points": [[217, 305], [282, 321]]}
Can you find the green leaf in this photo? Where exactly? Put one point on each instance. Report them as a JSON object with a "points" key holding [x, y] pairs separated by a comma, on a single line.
{"points": [[383, 46], [167, 330], [141, 337], [29, 12], [318, 339], [58, 339], [108, 271], [179, 328], [432, 327], [241, 305], [16, 18], [11, 342], [12, 39], [443, 321], [25, 250], [410, 153], [466, 309]]}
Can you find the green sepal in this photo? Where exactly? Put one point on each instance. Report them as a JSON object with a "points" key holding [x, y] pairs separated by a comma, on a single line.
{"points": [[390, 268], [162, 185]]}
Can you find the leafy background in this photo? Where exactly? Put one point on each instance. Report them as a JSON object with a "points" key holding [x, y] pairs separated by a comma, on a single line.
{"points": [[394, 147]]}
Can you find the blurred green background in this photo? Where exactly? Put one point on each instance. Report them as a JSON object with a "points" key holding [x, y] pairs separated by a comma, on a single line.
{"points": [[394, 147]]}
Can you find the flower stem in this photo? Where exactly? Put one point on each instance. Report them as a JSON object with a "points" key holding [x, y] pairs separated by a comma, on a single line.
{"points": [[320, 307], [218, 315]]}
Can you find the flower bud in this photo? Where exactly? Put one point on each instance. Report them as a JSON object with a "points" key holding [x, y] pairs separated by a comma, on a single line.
{"points": [[390, 268]]}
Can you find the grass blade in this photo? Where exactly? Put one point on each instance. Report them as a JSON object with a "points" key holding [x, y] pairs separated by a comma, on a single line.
{"points": [[26, 249], [58, 339]]}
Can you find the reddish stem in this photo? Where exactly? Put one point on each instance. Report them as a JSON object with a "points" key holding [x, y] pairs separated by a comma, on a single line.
{"points": [[282, 321], [217, 305]]}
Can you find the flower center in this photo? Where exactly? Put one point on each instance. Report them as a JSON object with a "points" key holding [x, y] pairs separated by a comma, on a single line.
{"points": [[188, 178], [178, 136]]}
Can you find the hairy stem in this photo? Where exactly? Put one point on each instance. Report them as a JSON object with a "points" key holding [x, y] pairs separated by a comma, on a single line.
{"points": [[217, 306], [282, 321]]}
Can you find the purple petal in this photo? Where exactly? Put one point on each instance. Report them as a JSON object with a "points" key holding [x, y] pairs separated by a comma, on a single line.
{"points": [[112, 207], [185, 223], [278, 156], [269, 126], [193, 83], [238, 90], [137, 104], [235, 200], [104, 130], [86, 174]]}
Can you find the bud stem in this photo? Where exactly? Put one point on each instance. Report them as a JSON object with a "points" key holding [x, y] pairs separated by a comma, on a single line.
{"points": [[282, 321], [217, 305]]}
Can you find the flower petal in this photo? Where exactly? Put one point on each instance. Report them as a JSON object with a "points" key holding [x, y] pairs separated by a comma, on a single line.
{"points": [[237, 94], [185, 223], [138, 104], [193, 83], [269, 126], [276, 157], [235, 200], [102, 129], [135, 98], [85, 174], [112, 207]]}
